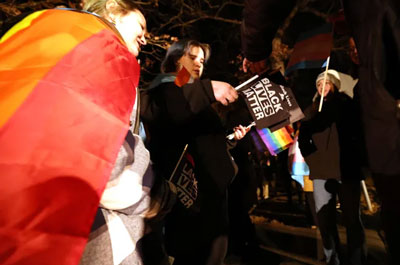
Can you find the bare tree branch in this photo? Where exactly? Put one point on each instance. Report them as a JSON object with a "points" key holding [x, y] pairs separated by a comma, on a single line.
{"points": [[228, 3]]}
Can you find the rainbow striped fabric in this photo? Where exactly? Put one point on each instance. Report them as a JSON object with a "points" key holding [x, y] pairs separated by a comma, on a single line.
{"points": [[67, 89], [275, 142]]}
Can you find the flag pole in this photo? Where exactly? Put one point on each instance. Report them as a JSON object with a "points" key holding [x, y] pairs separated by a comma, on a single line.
{"points": [[179, 161], [367, 199], [323, 85], [245, 83]]}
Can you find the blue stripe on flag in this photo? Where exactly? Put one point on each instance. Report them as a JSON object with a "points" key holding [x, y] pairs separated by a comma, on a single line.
{"points": [[305, 65]]}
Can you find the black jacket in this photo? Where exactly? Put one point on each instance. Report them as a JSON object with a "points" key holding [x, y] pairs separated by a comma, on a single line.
{"points": [[261, 20], [375, 26], [176, 116]]}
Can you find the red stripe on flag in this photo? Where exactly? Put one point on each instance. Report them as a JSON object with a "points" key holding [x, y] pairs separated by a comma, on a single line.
{"points": [[276, 141], [58, 149]]}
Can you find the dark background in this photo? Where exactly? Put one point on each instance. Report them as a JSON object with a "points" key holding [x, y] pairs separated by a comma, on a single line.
{"points": [[216, 22]]}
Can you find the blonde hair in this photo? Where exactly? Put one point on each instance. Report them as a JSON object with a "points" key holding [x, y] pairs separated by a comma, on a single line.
{"points": [[99, 7]]}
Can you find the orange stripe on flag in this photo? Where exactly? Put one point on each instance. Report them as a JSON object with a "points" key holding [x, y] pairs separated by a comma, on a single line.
{"points": [[182, 78], [23, 24], [27, 55]]}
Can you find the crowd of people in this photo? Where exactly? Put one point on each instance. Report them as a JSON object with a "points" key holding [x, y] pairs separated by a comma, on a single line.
{"points": [[131, 209]]}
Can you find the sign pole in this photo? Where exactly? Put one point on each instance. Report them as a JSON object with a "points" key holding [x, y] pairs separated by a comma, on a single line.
{"points": [[179, 161], [323, 85]]}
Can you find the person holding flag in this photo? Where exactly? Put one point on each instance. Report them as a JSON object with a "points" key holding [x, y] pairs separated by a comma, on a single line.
{"points": [[177, 111], [330, 144]]}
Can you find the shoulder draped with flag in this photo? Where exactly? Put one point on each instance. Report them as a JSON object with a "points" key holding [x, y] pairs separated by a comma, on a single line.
{"points": [[68, 86]]}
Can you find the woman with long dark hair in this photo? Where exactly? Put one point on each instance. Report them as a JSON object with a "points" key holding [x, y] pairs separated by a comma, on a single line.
{"points": [[177, 112]]}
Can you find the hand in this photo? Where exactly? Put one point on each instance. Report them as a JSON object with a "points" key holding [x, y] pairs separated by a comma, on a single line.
{"points": [[254, 67], [224, 92], [240, 132]]}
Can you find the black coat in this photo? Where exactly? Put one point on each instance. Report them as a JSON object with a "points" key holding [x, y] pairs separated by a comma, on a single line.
{"points": [[176, 116], [375, 27], [330, 140], [261, 20]]}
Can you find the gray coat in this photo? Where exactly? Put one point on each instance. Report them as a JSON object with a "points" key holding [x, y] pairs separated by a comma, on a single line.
{"points": [[124, 207]]}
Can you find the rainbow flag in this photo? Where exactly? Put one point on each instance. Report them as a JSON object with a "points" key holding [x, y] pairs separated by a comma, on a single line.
{"points": [[276, 141], [67, 89], [311, 50]]}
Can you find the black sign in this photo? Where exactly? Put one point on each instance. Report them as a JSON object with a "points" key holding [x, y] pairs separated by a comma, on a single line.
{"points": [[272, 106], [185, 181]]}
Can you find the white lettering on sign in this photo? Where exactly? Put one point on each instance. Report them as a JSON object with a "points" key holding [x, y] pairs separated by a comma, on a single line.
{"points": [[187, 185], [264, 100]]}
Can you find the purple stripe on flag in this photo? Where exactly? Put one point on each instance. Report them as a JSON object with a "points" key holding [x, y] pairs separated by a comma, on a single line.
{"points": [[269, 140], [257, 141]]}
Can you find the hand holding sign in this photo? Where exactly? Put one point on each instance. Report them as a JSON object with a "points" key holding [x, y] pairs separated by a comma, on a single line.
{"points": [[224, 92]]}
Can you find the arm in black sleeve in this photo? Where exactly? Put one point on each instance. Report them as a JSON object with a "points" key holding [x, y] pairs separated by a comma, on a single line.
{"points": [[261, 19], [332, 111], [198, 94], [181, 103]]}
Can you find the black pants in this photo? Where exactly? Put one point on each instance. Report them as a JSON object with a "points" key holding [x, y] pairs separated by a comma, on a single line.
{"points": [[388, 187], [199, 238]]}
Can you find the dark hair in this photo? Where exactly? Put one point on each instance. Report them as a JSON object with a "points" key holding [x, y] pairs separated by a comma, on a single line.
{"points": [[177, 50]]}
